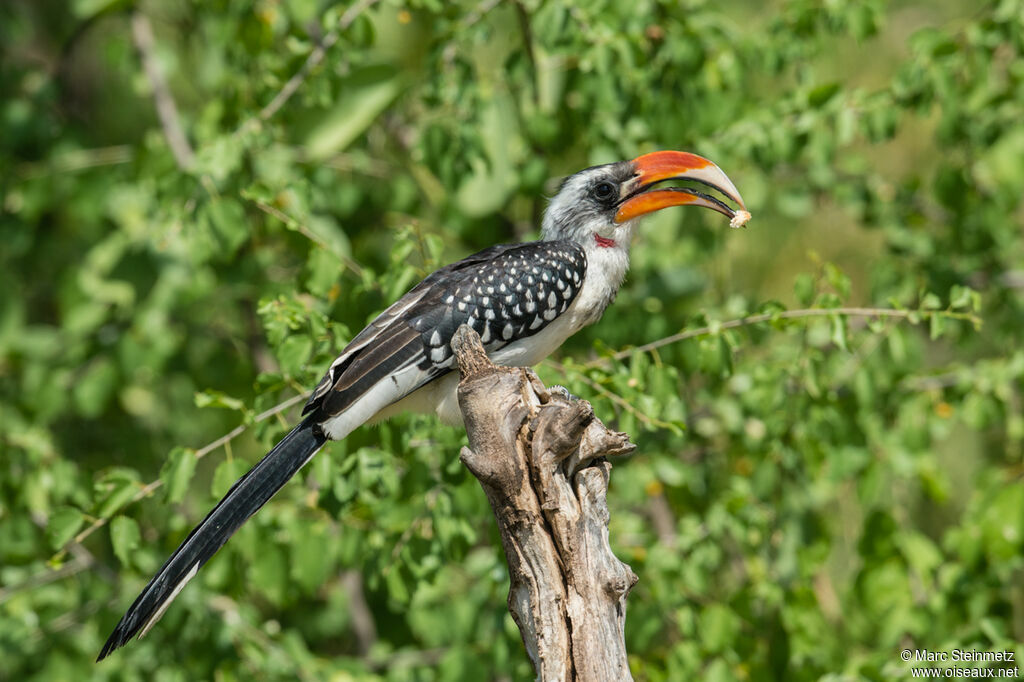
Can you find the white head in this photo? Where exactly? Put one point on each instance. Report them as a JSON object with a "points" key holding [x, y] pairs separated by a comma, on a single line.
{"points": [[599, 205]]}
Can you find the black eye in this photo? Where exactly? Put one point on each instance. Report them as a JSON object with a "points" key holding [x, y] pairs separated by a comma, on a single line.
{"points": [[603, 191]]}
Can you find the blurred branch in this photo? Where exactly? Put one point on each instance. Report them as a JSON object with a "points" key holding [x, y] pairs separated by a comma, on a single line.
{"points": [[933, 383], [76, 160], [155, 484], [523, 17], [45, 577], [294, 224], [784, 315], [409, 658], [314, 59], [614, 397], [1012, 279], [83, 559], [232, 614], [348, 163], [72, 619], [478, 12], [166, 109], [362, 616]]}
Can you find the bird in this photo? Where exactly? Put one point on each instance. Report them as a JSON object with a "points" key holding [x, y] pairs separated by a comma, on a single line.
{"points": [[524, 300]]}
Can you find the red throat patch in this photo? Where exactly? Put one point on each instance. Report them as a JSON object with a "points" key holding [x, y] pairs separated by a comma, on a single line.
{"points": [[604, 242]]}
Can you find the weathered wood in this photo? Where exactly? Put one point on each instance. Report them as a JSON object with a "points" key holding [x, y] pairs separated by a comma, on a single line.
{"points": [[541, 460]]}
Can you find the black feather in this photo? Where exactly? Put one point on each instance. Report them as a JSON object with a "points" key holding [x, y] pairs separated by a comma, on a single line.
{"points": [[507, 292], [244, 499]]}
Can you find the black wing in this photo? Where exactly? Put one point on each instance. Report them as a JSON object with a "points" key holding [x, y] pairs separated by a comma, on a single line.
{"points": [[505, 293]]}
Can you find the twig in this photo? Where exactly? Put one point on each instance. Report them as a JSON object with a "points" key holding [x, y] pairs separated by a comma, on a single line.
{"points": [[408, 659], [478, 12], [362, 617], [314, 58], [1012, 279], [45, 578], [166, 110], [83, 559], [613, 396], [231, 613], [76, 160], [155, 484], [936, 382], [294, 224], [782, 315]]}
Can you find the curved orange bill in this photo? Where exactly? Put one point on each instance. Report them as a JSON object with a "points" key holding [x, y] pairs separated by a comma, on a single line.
{"points": [[660, 166]]}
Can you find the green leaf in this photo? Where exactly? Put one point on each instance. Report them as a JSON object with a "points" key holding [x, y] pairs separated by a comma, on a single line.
{"points": [[225, 475], [931, 302], [718, 627], [269, 574], [397, 589], [365, 95], [210, 398], [822, 94], [838, 280], [839, 329], [125, 537], [62, 525], [227, 220], [310, 558], [803, 288], [115, 490], [177, 472], [294, 352], [94, 389], [86, 9]]}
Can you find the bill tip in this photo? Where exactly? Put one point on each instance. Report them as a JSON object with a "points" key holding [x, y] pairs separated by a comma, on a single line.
{"points": [[740, 219]]}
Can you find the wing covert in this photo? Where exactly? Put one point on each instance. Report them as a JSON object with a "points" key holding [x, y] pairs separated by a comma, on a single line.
{"points": [[505, 293]]}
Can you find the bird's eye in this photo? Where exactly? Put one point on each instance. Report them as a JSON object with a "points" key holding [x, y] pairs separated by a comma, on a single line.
{"points": [[603, 191]]}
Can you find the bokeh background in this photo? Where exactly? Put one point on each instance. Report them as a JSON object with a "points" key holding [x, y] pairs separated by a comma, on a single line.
{"points": [[187, 240]]}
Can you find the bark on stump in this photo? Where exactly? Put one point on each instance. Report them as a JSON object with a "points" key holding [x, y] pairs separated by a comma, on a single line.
{"points": [[541, 460]]}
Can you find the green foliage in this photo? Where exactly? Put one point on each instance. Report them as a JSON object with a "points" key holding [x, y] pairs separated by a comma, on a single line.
{"points": [[829, 414]]}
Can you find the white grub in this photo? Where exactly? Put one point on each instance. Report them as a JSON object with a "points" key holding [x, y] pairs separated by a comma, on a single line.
{"points": [[740, 219]]}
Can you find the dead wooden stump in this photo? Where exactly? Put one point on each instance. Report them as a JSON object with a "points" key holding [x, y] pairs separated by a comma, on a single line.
{"points": [[541, 461]]}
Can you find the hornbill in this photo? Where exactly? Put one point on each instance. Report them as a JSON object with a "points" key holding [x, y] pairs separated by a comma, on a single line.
{"points": [[523, 299]]}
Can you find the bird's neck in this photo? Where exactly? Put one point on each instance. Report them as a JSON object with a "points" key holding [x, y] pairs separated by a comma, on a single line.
{"points": [[606, 269]]}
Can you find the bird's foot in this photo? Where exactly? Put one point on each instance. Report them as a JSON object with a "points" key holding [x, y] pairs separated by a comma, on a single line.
{"points": [[563, 391]]}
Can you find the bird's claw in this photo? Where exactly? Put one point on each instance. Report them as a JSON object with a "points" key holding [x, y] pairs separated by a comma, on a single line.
{"points": [[563, 391]]}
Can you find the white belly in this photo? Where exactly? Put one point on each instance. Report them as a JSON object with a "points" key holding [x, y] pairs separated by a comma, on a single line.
{"points": [[440, 397]]}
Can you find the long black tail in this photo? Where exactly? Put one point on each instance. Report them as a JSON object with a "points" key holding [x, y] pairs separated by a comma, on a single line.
{"points": [[244, 499]]}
